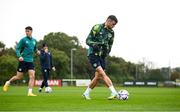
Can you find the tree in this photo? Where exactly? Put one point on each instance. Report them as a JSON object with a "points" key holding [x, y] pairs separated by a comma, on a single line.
{"points": [[8, 66], [61, 41], [165, 73], [175, 75], [2, 45], [119, 70], [81, 64], [155, 75], [61, 62]]}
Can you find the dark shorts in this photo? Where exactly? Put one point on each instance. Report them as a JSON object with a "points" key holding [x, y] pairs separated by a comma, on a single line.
{"points": [[25, 66], [97, 61]]}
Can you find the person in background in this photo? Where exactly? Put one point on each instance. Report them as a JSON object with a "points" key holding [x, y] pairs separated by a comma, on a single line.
{"points": [[24, 51], [46, 65]]}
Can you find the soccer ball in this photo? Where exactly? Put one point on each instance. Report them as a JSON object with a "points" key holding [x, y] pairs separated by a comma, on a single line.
{"points": [[123, 95], [48, 89]]}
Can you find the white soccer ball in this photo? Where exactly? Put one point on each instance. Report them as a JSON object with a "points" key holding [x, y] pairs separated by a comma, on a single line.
{"points": [[123, 95], [48, 89]]}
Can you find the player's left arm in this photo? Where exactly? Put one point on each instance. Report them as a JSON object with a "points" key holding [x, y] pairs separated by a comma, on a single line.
{"points": [[36, 49], [111, 42], [52, 63]]}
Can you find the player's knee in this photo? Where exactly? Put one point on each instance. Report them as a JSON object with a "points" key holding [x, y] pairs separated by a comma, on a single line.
{"points": [[32, 76]]}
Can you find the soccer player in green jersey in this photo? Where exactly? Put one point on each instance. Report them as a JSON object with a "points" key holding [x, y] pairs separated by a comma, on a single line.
{"points": [[100, 41], [24, 51]]}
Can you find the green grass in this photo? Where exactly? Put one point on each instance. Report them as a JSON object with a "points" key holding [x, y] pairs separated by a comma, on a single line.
{"points": [[69, 99]]}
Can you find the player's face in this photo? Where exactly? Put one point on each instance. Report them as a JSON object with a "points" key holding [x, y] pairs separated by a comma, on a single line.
{"points": [[45, 49], [28, 33], [110, 23]]}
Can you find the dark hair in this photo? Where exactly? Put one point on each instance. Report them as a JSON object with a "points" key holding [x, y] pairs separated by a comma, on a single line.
{"points": [[112, 17], [29, 28], [44, 45]]}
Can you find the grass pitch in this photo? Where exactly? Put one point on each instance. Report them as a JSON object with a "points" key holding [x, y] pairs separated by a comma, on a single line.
{"points": [[69, 99]]}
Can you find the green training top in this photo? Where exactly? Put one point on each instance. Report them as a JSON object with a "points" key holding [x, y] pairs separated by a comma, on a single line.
{"points": [[102, 37], [25, 48]]}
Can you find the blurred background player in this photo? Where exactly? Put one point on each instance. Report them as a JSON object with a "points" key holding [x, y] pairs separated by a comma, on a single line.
{"points": [[24, 51], [100, 41], [46, 65]]}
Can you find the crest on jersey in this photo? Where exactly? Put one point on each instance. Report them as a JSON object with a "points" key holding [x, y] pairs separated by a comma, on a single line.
{"points": [[20, 69], [109, 35], [94, 65], [45, 70], [34, 42]]}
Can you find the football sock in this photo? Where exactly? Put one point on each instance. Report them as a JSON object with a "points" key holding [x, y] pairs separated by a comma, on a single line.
{"points": [[8, 82], [113, 91], [88, 90], [30, 90]]}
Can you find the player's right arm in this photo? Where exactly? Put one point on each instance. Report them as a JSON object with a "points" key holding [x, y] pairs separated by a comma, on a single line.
{"points": [[19, 49], [91, 41]]}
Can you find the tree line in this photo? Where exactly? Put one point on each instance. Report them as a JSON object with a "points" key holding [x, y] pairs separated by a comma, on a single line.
{"points": [[60, 45]]}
